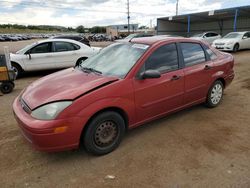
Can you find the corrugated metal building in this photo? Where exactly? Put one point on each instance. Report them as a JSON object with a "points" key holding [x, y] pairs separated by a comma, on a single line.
{"points": [[221, 21]]}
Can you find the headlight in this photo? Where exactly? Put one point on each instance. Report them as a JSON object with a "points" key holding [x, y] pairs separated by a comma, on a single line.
{"points": [[50, 111]]}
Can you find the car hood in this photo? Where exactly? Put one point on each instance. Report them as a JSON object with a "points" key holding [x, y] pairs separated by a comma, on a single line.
{"points": [[63, 85]]}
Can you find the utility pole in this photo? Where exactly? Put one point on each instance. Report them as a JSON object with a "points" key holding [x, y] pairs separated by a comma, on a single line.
{"points": [[177, 6], [128, 16]]}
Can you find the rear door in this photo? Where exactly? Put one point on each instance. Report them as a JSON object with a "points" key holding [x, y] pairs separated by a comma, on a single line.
{"points": [[157, 96], [198, 72], [65, 54]]}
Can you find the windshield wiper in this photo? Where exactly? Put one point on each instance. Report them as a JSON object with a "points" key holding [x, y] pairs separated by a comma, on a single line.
{"points": [[87, 69]]}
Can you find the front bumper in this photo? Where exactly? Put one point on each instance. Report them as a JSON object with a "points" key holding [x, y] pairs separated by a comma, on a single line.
{"points": [[41, 134], [224, 47]]}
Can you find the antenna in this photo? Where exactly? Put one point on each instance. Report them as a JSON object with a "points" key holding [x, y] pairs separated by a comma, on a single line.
{"points": [[177, 6], [128, 16]]}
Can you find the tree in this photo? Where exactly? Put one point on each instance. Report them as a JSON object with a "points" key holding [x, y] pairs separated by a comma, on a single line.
{"points": [[80, 29]]}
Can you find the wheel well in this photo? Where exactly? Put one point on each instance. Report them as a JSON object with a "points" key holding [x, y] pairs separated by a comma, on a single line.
{"points": [[81, 58], [223, 81], [13, 62], [120, 111]]}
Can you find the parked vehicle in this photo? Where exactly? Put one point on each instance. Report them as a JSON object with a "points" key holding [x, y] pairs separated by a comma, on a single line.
{"points": [[207, 36], [125, 85], [51, 54], [233, 41], [2, 39], [134, 35], [81, 39]]}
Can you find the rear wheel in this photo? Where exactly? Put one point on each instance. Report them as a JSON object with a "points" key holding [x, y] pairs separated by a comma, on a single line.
{"points": [[7, 87], [104, 133], [80, 60], [236, 47], [215, 94]]}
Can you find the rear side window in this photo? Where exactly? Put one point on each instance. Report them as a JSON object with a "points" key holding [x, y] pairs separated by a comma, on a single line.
{"points": [[163, 59], [192, 53], [211, 54], [65, 46]]}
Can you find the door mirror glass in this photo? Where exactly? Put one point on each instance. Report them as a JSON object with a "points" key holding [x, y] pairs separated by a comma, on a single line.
{"points": [[150, 74]]}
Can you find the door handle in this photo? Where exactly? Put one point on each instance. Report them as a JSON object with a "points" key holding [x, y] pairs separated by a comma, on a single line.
{"points": [[175, 77], [207, 67]]}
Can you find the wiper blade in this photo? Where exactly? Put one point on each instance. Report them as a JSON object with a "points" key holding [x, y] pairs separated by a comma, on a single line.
{"points": [[87, 69]]}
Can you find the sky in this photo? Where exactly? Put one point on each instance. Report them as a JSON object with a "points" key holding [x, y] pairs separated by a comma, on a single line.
{"points": [[72, 13]]}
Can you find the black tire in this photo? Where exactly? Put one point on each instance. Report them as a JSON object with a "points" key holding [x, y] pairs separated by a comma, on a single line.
{"points": [[17, 69], [80, 60], [215, 94], [98, 139], [236, 47], [7, 87]]}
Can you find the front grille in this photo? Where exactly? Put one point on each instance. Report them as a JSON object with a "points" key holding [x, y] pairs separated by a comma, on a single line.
{"points": [[25, 107], [219, 43]]}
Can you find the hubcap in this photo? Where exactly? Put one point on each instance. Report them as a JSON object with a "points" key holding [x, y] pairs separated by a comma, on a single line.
{"points": [[216, 94], [15, 70], [105, 133]]}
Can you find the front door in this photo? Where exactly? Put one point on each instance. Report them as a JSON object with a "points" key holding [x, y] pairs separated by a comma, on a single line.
{"points": [[39, 57], [158, 96]]}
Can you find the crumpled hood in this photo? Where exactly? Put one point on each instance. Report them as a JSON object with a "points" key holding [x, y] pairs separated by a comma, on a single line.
{"points": [[63, 85]]}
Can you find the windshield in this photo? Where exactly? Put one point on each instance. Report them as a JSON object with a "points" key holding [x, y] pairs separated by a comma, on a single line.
{"points": [[198, 35], [26, 48], [116, 59], [232, 35]]}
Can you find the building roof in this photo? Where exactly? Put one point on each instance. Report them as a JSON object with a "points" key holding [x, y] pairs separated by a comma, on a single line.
{"points": [[213, 15]]}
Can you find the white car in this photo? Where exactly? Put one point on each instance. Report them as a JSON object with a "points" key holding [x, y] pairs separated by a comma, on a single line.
{"points": [[233, 41], [51, 54], [207, 36]]}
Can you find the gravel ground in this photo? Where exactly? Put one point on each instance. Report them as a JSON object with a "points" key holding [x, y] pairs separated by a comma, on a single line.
{"points": [[197, 147]]}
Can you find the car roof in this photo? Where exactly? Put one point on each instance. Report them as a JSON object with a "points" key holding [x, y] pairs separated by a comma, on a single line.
{"points": [[61, 40], [159, 39]]}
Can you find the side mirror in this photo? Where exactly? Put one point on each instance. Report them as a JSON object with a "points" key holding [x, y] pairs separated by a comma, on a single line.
{"points": [[28, 53], [150, 74], [244, 37], [204, 36]]}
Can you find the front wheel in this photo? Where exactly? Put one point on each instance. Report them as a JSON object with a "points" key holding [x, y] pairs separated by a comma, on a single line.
{"points": [[236, 47], [215, 94], [17, 69], [104, 133]]}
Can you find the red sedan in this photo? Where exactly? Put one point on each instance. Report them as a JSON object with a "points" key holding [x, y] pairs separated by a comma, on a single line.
{"points": [[122, 87]]}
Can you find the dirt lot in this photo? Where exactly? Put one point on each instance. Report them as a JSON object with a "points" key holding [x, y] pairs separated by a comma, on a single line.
{"points": [[198, 147]]}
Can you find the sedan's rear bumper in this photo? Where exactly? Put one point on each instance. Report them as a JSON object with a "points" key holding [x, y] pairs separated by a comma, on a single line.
{"points": [[42, 134]]}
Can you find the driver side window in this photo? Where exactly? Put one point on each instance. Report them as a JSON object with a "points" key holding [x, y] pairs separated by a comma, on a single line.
{"points": [[163, 59], [41, 48]]}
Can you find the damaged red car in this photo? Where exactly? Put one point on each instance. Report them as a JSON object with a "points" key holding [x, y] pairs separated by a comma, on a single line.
{"points": [[124, 86]]}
